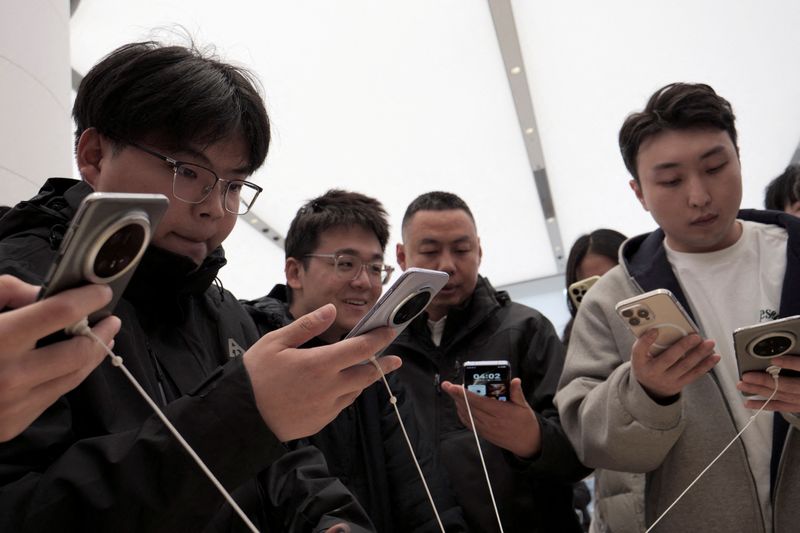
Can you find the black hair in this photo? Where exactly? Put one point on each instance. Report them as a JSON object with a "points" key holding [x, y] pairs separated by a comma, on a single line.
{"points": [[435, 201], [335, 208], [178, 95], [605, 242], [677, 106], [782, 191]]}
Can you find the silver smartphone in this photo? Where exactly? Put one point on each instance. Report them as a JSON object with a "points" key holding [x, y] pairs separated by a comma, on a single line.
{"points": [[103, 244], [657, 309], [578, 289], [756, 345], [488, 378], [408, 296]]}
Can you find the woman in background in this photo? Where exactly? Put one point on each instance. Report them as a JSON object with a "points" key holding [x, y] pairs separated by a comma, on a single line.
{"points": [[619, 499]]}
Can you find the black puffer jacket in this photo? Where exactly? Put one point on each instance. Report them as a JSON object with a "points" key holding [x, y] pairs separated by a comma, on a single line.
{"points": [[99, 460], [364, 447], [532, 496]]}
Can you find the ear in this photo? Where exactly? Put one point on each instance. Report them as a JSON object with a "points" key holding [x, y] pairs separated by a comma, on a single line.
{"points": [[636, 187], [294, 273], [91, 150], [400, 252]]}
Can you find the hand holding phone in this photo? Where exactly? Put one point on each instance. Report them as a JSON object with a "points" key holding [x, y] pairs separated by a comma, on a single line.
{"points": [[757, 345], [104, 243], [669, 353], [657, 309]]}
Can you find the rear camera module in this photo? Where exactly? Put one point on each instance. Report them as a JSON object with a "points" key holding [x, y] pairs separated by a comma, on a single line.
{"points": [[772, 344], [410, 308]]}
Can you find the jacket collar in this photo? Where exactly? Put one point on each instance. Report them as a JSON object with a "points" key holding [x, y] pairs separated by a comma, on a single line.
{"points": [[461, 320], [272, 311], [645, 259]]}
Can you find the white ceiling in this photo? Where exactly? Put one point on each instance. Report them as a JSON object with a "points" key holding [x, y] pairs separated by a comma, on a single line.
{"points": [[398, 98]]}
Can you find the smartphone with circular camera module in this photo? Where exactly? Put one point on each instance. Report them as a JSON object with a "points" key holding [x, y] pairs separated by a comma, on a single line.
{"points": [[104, 243], [657, 309], [407, 297], [756, 345]]}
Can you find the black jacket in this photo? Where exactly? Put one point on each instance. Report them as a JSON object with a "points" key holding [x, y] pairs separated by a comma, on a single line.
{"points": [[364, 447], [532, 496], [99, 460]]}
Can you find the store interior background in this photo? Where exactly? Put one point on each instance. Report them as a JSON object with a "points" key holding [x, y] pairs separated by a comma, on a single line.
{"points": [[394, 99]]}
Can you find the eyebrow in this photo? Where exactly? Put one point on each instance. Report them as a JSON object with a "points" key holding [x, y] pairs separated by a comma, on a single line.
{"points": [[705, 155], [352, 251], [196, 154], [428, 240]]}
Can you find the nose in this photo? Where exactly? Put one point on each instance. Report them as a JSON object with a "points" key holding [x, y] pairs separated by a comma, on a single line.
{"points": [[699, 195], [446, 263], [214, 204]]}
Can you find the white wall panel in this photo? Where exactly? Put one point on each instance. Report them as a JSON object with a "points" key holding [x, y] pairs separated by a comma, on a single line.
{"points": [[34, 95]]}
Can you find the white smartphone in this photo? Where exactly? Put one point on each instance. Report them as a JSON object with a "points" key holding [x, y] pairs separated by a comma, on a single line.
{"points": [[756, 345], [408, 296], [657, 309], [578, 289], [104, 243], [488, 378]]}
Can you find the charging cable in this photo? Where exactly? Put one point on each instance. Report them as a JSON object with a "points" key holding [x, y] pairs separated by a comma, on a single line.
{"points": [[393, 401], [773, 371], [82, 328], [483, 462]]}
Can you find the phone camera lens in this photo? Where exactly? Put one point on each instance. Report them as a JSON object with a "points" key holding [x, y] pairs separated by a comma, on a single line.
{"points": [[634, 321], [411, 308], [772, 346], [576, 291], [642, 313], [119, 250], [627, 313]]}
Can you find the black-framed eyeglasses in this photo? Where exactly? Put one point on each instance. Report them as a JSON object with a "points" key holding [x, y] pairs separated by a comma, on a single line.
{"points": [[192, 183], [348, 266]]}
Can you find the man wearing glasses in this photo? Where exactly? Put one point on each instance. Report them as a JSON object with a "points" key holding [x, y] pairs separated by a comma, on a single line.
{"points": [[334, 254], [168, 119]]}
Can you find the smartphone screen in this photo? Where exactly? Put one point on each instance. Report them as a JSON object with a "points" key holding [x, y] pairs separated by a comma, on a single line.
{"points": [[488, 378]]}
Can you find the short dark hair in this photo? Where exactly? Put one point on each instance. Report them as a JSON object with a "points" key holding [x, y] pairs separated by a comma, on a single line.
{"points": [[178, 94], [336, 208], [605, 242], [782, 191], [435, 201], [677, 106]]}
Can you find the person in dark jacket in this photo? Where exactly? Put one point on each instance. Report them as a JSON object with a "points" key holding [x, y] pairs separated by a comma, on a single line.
{"points": [[334, 254], [98, 459], [530, 462]]}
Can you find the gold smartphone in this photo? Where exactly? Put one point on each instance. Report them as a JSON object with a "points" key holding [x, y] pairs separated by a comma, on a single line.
{"points": [[657, 309], [578, 289]]}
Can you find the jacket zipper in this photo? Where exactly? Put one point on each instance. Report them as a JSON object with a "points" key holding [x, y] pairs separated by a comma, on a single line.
{"points": [[159, 373]]}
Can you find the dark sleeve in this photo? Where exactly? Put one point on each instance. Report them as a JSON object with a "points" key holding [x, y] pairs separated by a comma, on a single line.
{"points": [[301, 495], [540, 370], [139, 479], [410, 505]]}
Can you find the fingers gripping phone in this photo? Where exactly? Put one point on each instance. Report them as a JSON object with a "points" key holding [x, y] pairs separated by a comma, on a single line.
{"points": [[403, 301], [578, 289], [657, 309], [488, 378], [104, 243], [756, 345]]}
